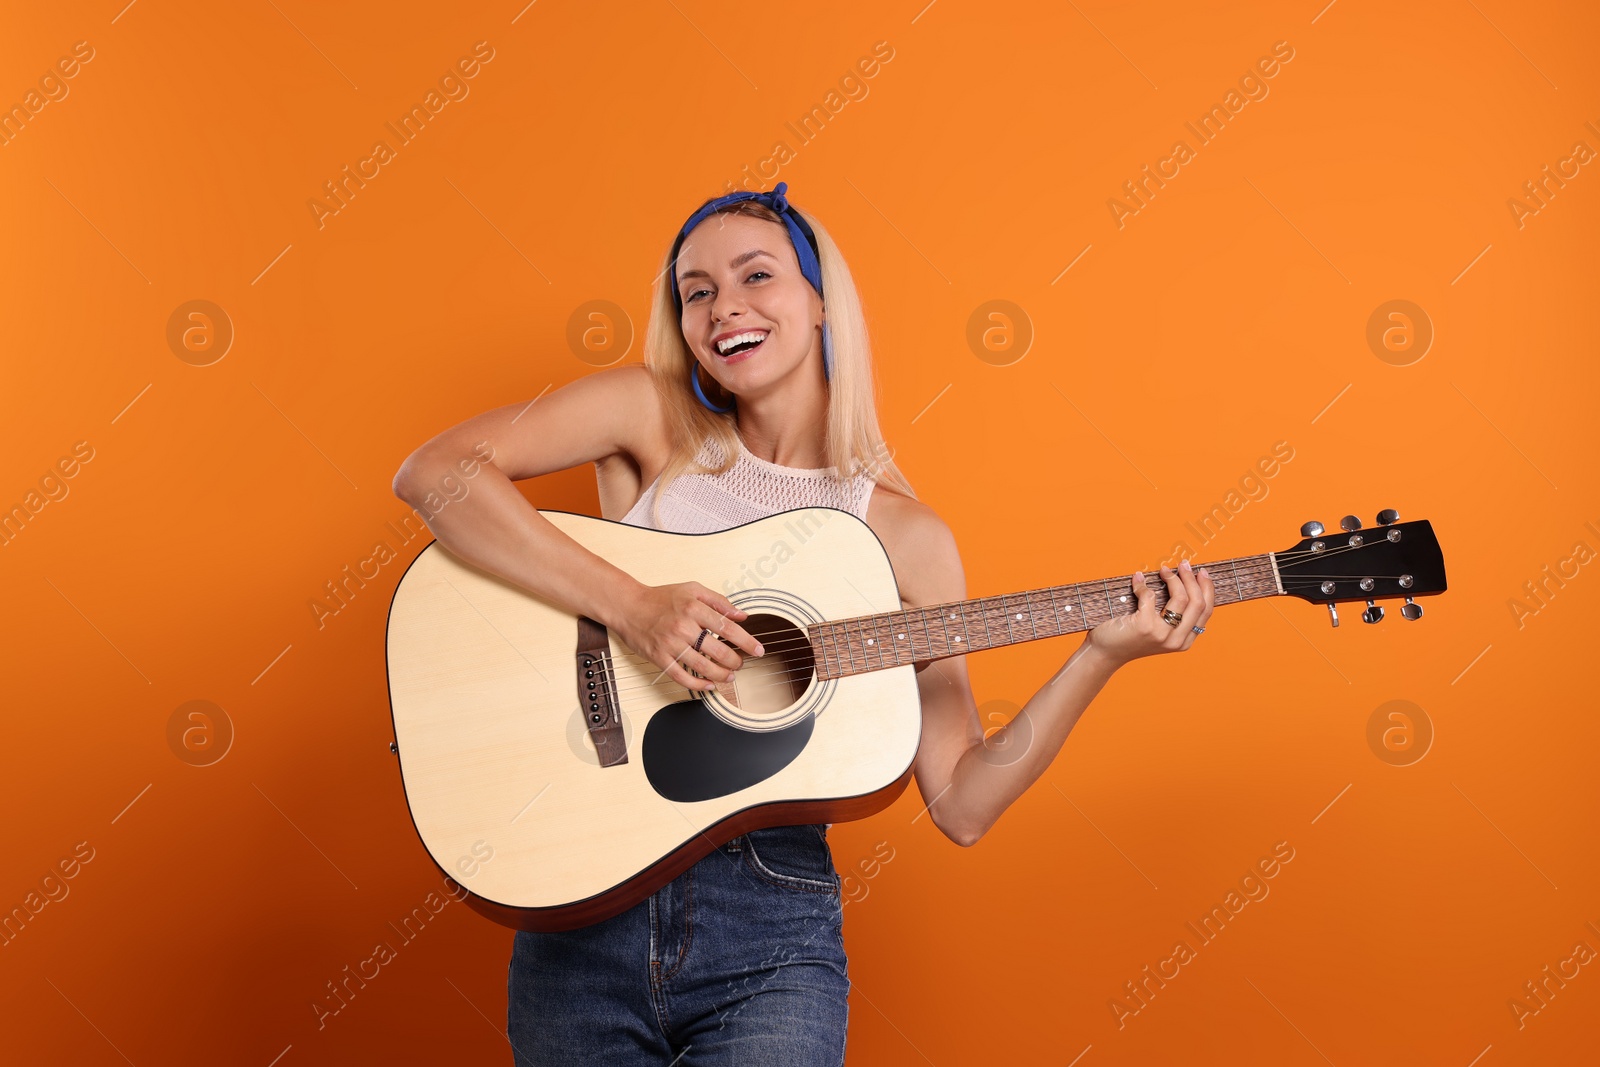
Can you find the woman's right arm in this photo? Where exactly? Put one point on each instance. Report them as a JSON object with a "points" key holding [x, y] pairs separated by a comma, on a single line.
{"points": [[492, 526]]}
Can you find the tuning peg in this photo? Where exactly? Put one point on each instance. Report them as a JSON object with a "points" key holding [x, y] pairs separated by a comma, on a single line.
{"points": [[1311, 529], [1350, 523], [1412, 609], [1374, 613], [1334, 611], [1388, 515]]}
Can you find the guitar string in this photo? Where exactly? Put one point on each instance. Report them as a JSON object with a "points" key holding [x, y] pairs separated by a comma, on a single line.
{"points": [[785, 643], [783, 676], [746, 687], [1247, 566], [1255, 563], [1243, 566], [985, 617], [788, 676]]}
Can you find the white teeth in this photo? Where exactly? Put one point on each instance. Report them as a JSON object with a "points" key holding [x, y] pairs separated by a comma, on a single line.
{"points": [[740, 338]]}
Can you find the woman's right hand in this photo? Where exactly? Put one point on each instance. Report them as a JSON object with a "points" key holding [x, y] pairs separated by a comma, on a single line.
{"points": [[664, 621]]}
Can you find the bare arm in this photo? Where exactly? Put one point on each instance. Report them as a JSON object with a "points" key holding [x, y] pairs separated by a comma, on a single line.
{"points": [[967, 780], [492, 525], [969, 785]]}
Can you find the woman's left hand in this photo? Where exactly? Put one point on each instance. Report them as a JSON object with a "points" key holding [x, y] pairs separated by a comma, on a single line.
{"points": [[1124, 638]]}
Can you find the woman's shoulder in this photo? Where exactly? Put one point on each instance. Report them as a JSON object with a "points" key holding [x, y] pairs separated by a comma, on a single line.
{"points": [[636, 393], [897, 511], [634, 384], [922, 549], [643, 437], [622, 399]]}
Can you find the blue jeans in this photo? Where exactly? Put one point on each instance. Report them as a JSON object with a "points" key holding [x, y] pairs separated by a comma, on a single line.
{"points": [[737, 961]]}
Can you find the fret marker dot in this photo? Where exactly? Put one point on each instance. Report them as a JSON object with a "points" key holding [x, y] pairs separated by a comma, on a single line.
{"points": [[869, 640], [1019, 616], [1123, 599], [958, 637], [902, 637]]}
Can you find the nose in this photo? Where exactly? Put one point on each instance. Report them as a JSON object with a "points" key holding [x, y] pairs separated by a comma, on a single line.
{"points": [[725, 303]]}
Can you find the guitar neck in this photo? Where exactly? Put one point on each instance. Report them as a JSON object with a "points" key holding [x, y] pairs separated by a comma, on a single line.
{"points": [[895, 638]]}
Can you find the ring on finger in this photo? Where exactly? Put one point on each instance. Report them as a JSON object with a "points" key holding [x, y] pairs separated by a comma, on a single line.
{"points": [[1198, 629], [699, 639], [1170, 617]]}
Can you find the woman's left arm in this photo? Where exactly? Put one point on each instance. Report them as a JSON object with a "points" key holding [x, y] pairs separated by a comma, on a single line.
{"points": [[967, 781]]}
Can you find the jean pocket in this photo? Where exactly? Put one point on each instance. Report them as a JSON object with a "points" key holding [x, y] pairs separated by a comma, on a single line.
{"points": [[795, 857]]}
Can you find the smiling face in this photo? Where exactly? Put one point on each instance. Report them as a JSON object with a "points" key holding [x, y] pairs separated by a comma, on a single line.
{"points": [[738, 274]]}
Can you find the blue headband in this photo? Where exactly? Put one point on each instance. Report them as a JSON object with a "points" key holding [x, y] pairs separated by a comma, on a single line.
{"points": [[800, 235]]}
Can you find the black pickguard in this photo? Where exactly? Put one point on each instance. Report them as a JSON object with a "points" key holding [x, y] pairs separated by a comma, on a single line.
{"points": [[690, 754]]}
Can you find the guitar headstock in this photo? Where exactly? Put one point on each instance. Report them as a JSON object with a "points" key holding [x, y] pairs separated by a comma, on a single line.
{"points": [[1389, 560]]}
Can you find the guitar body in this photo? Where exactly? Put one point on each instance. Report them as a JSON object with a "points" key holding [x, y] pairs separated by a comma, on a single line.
{"points": [[521, 802]]}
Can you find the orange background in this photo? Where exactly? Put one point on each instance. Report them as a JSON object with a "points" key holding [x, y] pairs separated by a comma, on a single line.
{"points": [[1228, 314]]}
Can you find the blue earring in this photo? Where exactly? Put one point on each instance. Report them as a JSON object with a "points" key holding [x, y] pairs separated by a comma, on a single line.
{"points": [[694, 379], [827, 353]]}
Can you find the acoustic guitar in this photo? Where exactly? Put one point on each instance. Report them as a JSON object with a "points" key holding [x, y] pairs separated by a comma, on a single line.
{"points": [[559, 778]]}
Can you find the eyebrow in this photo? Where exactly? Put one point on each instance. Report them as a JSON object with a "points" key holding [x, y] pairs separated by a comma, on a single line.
{"points": [[733, 264]]}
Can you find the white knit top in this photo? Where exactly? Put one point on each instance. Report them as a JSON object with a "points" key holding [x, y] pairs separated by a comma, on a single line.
{"points": [[751, 489]]}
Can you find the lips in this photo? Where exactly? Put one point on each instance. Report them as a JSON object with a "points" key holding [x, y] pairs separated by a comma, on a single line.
{"points": [[742, 354]]}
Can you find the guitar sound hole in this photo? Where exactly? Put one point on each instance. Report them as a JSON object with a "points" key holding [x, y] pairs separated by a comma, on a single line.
{"points": [[767, 687]]}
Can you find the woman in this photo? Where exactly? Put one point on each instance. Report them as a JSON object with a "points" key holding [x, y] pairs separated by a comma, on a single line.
{"points": [[756, 396]]}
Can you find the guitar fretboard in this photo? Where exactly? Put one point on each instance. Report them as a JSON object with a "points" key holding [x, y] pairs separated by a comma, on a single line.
{"points": [[894, 638]]}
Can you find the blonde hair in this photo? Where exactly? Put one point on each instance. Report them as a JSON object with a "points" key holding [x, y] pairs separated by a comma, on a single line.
{"points": [[852, 440]]}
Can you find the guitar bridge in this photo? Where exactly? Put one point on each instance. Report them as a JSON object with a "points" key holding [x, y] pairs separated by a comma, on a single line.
{"points": [[728, 691], [597, 693]]}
